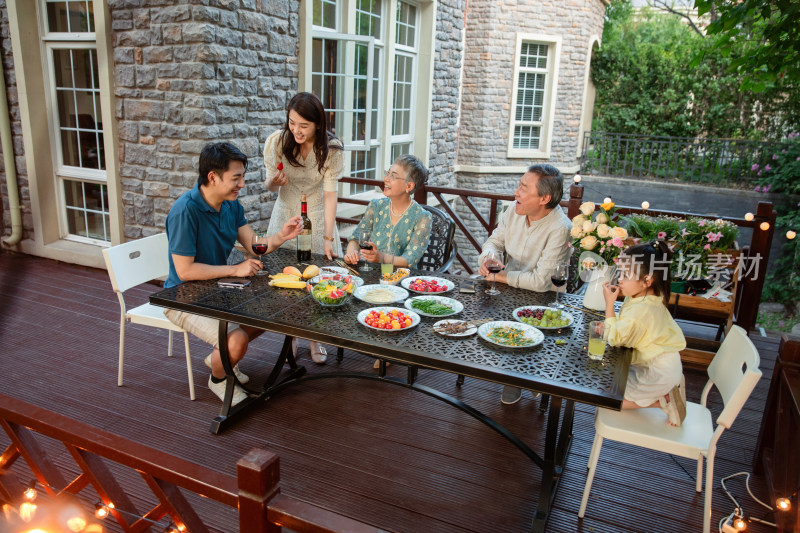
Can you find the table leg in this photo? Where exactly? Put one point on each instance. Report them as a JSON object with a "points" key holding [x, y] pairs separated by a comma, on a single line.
{"points": [[229, 413], [555, 452]]}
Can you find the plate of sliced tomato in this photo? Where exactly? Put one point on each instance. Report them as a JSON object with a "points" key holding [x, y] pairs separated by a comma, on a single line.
{"points": [[388, 318]]}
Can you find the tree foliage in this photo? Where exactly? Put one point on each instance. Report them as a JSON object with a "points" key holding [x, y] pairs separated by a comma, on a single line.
{"points": [[645, 84], [768, 34]]}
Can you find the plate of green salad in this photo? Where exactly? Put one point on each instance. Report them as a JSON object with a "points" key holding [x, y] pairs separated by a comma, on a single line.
{"points": [[510, 334], [430, 305]]}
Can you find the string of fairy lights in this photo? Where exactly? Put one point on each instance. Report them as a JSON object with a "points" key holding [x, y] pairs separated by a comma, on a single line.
{"points": [[749, 217], [72, 518]]}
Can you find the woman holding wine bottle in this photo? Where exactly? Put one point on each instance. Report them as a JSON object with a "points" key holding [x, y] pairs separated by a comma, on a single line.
{"points": [[304, 159], [394, 229]]}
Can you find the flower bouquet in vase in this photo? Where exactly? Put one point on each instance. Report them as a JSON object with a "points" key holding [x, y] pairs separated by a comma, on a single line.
{"points": [[598, 239]]}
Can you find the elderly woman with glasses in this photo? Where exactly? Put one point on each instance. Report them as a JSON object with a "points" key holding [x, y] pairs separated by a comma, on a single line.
{"points": [[399, 227]]}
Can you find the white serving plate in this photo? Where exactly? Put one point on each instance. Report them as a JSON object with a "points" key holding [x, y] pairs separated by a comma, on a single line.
{"points": [[471, 330], [406, 283], [362, 292], [564, 314], [415, 318], [536, 337], [455, 304], [357, 282]]}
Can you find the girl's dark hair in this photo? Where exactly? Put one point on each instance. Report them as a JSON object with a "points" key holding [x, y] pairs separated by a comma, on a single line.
{"points": [[308, 106], [217, 157], [416, 172], [653, 259]]}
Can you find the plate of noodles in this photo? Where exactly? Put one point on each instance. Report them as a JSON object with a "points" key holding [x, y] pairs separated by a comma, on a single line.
{"points": [[380, 294]]}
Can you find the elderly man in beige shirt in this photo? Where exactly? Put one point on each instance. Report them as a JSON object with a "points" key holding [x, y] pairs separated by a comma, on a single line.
{"points": [[534, 235]]}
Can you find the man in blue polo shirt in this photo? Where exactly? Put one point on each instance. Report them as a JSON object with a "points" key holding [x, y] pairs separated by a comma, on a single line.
{"points": [[202, 226]]}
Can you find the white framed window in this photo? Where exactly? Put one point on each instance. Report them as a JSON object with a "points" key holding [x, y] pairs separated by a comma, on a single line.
{"points": [[534, 95], [364, 67], [73, 102]]}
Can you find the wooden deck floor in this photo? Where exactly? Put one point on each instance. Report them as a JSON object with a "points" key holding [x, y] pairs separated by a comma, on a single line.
{"points": [[383, 455]]}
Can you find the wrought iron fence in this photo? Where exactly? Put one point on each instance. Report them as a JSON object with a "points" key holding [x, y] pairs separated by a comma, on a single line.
{"points": [[706, 161]]}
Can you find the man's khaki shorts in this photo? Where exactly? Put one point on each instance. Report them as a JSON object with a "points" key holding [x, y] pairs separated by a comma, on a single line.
{"points": [[202, 327]]}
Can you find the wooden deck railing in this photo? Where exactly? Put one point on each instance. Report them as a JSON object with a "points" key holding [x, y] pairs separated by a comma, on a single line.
{"points": [[255, 491], [757, 252]]}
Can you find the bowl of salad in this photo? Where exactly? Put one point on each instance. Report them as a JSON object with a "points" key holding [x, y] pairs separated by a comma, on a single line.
{"points": [[330, 292]]}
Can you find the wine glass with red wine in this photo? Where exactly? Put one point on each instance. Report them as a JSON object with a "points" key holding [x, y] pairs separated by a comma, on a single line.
{"points": [[494, 265], [259, 246], [559, 279], [365, 244]]}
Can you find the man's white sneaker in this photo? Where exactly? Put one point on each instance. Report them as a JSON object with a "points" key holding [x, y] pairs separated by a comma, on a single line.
{"points": [[219, 390], [241, 376]]}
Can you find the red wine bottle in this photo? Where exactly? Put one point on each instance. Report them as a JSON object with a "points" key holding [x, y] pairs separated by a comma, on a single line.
{"points": [[304, 239]]}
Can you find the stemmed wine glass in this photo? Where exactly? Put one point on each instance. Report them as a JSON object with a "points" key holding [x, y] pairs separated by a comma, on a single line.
{"points": [[259, 246], [364, 244], [559, 279], [494, 265]]}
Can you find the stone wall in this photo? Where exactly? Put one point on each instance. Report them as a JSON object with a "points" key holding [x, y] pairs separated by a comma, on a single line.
{"points": [[7, 56], [190, 74], [448, 58], [491, 34]]}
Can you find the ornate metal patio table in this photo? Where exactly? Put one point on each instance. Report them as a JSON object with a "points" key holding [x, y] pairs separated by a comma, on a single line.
{"points": [[562, 371]]}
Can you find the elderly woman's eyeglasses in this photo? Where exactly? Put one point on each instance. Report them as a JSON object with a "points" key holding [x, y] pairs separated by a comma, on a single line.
{"points": [[390, 175]]}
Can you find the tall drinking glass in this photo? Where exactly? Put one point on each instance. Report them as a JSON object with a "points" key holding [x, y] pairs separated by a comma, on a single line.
{"points": [[364, 243], [260, 246], [559, 279], [494, 265]]}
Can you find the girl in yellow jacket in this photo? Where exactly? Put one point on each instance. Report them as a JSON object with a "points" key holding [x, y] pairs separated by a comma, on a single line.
{"points": [[655, 377]]}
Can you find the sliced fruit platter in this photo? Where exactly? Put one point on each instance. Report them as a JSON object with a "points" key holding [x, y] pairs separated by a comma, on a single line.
{"points": [[434, 305], [292, 278], [543, 317], [388, 318], [427, 284], [331, 293], [395, 277]]}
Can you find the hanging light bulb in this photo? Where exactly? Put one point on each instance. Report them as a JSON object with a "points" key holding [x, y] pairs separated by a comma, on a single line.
{"points": [[100, 510], [764, 226], [607, 200], [26, 511], [76, 523], [645, 205], [576, 178], [739, 523], [30, 492], [791, 235], [171, 528], [783, 504], [749, 216]]}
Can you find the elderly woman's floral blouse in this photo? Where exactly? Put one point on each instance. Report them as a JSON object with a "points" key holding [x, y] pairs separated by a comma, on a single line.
{"points": [[408, 238]]}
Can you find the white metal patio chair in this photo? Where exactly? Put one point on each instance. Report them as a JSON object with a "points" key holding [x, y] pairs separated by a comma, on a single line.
{"points": [[131, 264], [734, 370]]}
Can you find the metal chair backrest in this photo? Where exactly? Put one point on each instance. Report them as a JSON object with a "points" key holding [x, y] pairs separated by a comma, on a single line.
{"points": [[734, 370], [136, 262], [441, 251]]}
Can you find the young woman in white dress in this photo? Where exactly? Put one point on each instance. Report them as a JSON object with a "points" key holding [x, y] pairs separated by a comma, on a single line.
{"points": [[310, 161]]}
